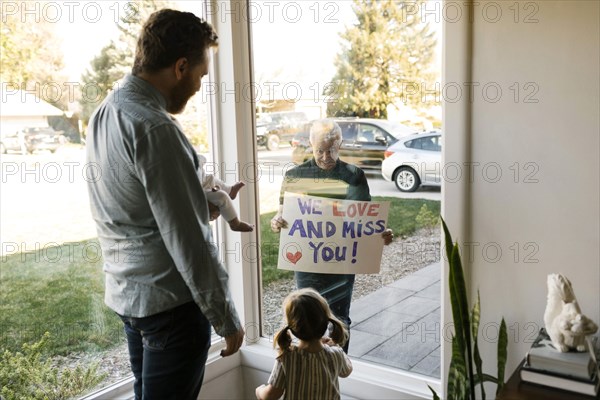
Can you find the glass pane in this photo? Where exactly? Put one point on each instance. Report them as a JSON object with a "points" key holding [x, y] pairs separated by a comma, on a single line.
{"points": [[59, 61], [319, 58]]}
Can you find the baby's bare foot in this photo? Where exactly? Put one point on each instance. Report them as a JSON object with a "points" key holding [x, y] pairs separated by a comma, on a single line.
{"points": [[235, 189], [240, 226]]}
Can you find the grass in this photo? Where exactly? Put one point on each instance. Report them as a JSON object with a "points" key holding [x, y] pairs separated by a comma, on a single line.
{"points": [[401, 219], [61, 289]]}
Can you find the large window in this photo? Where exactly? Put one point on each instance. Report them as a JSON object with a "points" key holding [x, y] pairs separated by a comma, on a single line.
{"points": [[59, 60], [341, 59], [51, 268]]}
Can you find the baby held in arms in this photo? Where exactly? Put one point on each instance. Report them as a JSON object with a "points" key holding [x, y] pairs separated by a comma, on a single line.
{"points": [[220, 194]]}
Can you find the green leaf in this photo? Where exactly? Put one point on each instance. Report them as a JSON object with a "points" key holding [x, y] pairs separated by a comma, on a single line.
{"points": [[457, 373], [486, 378], [458, 294], [448, 239], [502, 354], [475, 315], [435, 395]]}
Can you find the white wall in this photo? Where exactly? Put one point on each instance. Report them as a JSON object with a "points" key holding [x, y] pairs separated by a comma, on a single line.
{"points": [[556, 217], [228, 386]]}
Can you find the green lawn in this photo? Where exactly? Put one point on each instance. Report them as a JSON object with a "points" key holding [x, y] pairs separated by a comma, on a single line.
{"points": [[60, 289]]}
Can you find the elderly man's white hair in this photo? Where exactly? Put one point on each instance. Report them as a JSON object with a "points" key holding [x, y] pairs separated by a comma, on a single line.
{"points": [[326, 130]]}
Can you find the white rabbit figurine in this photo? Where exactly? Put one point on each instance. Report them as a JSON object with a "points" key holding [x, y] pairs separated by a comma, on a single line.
{"points": [[565, 324]]}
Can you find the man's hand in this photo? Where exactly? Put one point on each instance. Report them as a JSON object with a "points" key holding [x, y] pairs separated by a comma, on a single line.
{"points": [[213, 212], [388, 236], [233, 343]]}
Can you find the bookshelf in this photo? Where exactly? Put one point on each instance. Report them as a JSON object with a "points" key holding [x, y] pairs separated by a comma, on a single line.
{"points": [[515, 389]]}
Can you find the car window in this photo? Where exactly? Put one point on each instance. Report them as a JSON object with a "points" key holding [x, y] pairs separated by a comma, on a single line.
{"points": [[368, 133], [430, 143], [348, 131], [277, 118], [436, 143]]}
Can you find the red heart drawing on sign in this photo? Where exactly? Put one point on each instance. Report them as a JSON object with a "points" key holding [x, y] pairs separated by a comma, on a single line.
{"points": [[293, 258]]}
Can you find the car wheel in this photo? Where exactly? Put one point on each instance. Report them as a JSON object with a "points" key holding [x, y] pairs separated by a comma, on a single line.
{"points": [[273, 142], [406, 179]]}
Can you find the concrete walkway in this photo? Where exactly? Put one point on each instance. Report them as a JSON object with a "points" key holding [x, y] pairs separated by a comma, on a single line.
{"points": [[398, 325]]}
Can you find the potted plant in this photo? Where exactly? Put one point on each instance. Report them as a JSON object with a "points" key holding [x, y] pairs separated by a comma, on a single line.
{"points": [[465, 371]]}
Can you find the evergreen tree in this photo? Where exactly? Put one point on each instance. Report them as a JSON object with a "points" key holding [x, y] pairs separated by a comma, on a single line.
{"points": [[386, 56], [115, 59], [106, 69]]}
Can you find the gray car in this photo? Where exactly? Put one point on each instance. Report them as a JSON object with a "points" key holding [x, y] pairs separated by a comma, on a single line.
{"points": [[414, 161], [273, 129]]}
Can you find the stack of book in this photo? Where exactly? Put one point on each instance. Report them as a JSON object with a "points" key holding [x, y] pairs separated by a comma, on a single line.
{"points": [[572, 371]]}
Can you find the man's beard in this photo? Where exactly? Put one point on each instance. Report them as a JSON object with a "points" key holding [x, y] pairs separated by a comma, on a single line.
{"points": [[180, 96]]}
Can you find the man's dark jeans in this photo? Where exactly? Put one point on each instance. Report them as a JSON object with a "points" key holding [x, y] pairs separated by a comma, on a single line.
{"points": [[168, 352], [335, 288]]}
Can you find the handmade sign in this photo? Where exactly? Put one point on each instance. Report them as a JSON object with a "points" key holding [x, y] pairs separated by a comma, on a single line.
{"points": [[332, 236]]}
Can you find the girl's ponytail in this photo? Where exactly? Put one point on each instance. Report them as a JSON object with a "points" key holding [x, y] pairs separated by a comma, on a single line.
{"points": [[283, 340], [339, 333]]}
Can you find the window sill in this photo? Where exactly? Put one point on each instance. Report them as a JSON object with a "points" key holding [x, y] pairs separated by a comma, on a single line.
{"points": [[215, 366], [367, 381]]}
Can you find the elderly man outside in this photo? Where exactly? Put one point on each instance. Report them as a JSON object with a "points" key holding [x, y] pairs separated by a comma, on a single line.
{"points": [[325, 175]]}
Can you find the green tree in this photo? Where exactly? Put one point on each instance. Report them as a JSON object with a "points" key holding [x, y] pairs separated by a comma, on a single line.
{"points": [[116, 58], [386, 55], [30, 58], [106, 69]]}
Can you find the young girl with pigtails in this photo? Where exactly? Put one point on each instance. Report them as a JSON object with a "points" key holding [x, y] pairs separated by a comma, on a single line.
{"points": [[310, 368]]}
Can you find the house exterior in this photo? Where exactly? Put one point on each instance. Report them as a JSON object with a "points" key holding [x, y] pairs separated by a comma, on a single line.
{"points": [[20, 109]]}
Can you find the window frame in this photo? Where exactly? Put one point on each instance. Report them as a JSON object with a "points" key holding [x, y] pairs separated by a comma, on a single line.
{"points": [[244, 284], [367, 380]]}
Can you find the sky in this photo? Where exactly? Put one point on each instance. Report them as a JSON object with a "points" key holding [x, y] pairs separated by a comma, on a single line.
{"points": [[296, 39], [84, 30], [87, 26]]}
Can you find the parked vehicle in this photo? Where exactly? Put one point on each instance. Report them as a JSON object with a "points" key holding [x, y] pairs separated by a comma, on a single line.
{"points": [[275, 128], [28, 140], [364, 141], [414, 161]]}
